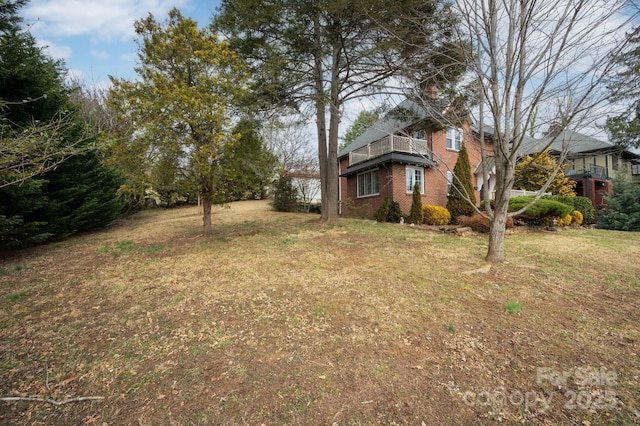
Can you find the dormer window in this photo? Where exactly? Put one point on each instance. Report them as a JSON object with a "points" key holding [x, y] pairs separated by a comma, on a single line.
{"points": [[454, 139]]}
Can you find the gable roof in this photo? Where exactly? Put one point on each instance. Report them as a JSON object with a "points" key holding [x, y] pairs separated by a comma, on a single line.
{"points": [[407, 113], [576, 142]]}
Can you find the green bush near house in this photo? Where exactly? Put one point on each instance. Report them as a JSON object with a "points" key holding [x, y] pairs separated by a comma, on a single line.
{"points": [[415, 214], [543, 212], [395, 213], [285, 196], [543, 207], [388, 212], [584, 206], [383, 212]]}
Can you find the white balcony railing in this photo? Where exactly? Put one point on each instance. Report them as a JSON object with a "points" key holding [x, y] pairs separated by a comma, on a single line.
{"points": [[391, 143]]}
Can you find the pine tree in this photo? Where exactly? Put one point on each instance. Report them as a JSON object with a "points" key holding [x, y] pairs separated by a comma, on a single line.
{"points": [[50, 202], [462, 196], [623, 207]]}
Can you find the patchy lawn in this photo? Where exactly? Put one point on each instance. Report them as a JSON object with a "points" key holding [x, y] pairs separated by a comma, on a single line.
{"points": [[277, 319]]}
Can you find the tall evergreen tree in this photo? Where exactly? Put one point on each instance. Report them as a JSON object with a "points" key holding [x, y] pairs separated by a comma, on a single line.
{"points": [[50, 202], [624, 129], [247, 166], [462, 196]]}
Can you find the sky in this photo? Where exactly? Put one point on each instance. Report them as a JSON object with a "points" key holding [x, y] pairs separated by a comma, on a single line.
{"points": [[96, 38]]}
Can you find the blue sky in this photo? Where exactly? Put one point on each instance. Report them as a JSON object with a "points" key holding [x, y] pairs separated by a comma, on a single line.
{"points": [[95, 38]]}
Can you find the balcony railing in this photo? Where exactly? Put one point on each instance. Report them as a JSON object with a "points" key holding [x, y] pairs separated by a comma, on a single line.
{"points": [[591, 169], [391, 143]]}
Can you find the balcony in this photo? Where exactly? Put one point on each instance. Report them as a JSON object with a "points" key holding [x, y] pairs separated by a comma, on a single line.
{"points": [[590, 170], [388, 144]]}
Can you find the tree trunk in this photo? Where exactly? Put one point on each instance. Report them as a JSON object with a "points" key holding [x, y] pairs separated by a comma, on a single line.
{"points": [[206, 216], [321, 118], [321, 127], [331, 199], [497, 229], [334, 125]]}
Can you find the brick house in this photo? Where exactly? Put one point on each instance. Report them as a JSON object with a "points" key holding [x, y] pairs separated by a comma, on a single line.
{"points": [[403, 148], [591, 162]]}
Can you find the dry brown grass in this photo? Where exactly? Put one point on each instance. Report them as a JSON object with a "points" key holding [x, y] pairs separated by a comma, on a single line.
{"points": [[277, 319]]}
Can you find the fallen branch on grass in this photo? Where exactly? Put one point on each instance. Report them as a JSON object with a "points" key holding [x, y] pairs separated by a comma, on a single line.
{"points": [[51, 401]]}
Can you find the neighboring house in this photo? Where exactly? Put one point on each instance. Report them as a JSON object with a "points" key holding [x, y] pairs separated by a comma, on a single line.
{"points": [[400, 150], [307, 185], [592, 163]]}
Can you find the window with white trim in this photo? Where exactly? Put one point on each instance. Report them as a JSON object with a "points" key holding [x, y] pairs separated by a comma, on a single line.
{"points": [[454, 139], [368, 184], [415, 175]]}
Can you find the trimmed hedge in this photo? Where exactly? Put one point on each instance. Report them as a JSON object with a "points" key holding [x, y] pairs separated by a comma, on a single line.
{"points": [[544, 207]]}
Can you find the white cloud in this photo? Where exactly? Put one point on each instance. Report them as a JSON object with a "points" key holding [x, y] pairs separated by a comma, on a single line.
{"points": [[54, 50], [100, 54], [101, 20]]}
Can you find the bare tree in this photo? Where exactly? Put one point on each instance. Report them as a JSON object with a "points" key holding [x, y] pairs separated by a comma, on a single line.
{"points": [[534, 63], [92, 105], [288, 139]]}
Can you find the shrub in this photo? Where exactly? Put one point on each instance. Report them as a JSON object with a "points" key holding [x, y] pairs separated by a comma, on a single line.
{"points": [[285, 195], [395, 213], [415, 214], [534, 170], [576, 217], [383, 212], [435, 215], [479, 223], [585, 206], [544, 209], [565, 221]]}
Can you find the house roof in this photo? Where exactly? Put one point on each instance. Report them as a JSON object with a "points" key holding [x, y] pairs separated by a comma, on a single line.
{"points": [[408, 112], [490, 162], [576, 143]]}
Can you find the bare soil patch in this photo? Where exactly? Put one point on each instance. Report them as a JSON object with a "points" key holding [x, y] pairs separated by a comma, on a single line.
{"points": [[278, 319]]}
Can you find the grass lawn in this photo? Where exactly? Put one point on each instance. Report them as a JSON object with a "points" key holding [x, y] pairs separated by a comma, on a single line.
{"points": [[277, 319]]}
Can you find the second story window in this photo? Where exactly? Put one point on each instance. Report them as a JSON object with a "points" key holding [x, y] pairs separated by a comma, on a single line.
{"points": [[454, 139]]}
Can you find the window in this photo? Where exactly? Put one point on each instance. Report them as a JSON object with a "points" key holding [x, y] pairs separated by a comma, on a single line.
{"points": [[449, 181], [368, 184], [415, 175], [454, 139], [635, 169]]}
